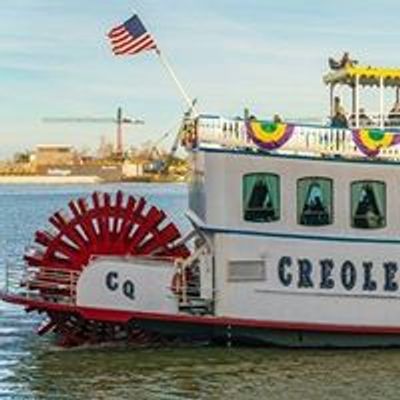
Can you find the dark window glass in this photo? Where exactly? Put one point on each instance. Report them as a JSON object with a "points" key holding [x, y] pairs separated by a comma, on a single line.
{"points": [[368, 204], [261, 197], [314, 201]]}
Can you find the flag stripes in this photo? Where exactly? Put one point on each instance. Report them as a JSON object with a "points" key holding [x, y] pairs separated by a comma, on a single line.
{"points": [[131, 38]]}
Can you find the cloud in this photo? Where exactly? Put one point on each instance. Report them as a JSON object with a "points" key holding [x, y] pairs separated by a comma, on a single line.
{"points": [[268, 55]]}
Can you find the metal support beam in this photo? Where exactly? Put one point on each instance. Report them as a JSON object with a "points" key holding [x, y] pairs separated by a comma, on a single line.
{"points": [[357, 101], [381, 104], [353, 99]]}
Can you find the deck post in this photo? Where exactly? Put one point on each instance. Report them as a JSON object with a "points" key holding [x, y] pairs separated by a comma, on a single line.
{"points": [[381, 101], [331, 90], [353, 99], [357, 101]]}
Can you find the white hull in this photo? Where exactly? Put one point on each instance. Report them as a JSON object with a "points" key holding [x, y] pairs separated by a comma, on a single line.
{"points": [[308, 281]]}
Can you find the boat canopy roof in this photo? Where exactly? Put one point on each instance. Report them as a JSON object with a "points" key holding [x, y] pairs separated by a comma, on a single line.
{"points": [[367, 76]]}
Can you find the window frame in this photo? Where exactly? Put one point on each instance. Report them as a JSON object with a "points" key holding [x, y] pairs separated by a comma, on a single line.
{"points": [[279, 197], [385, 203], [332, 200]]}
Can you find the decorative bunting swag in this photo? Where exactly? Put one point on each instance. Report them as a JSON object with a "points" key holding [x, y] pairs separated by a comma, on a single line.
{"points": [[269, 135]]}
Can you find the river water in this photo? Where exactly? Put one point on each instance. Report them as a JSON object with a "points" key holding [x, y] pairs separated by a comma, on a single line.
{"points": [[32, 367]]}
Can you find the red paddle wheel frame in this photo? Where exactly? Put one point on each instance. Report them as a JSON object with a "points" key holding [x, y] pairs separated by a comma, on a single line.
{"points": [[103, 224]]}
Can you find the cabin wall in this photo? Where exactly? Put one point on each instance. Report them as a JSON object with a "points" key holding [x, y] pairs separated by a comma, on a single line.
{"points": [[283, 271], [223, 173], [197, 188], [307, 281]]}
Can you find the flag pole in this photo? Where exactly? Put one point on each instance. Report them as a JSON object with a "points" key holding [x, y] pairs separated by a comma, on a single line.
{"points": [[167, 66]]}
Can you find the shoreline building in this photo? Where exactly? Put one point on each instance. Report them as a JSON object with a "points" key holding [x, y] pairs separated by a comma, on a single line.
{"points": [[54, 155]]}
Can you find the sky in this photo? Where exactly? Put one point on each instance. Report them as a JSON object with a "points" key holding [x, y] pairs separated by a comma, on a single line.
{"points": [[267, 55]]}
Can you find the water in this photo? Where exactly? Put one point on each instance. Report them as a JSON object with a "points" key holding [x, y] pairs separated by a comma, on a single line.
{"points": [[33, 368]]}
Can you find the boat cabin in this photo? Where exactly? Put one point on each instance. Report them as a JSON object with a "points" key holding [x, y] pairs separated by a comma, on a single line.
{"points": [[302, 216], [300, 178]]}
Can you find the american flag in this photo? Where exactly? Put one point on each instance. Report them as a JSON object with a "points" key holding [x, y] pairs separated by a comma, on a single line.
{"points": [[131, 38]]}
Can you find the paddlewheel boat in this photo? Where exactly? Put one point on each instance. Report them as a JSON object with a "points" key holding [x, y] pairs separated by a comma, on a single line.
{"points": [[295, 240]]}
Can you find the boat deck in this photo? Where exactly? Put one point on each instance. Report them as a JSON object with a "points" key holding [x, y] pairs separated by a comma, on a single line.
{"points": [[307, 140]]}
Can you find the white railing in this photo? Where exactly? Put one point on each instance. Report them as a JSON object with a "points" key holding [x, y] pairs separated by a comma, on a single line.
{"points": [[308, 140], [388, 121], [189, 292], [52, 285], [11, 278]]}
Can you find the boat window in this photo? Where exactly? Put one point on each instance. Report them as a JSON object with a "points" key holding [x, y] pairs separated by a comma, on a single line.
{"points": [[261, 197], [314, 201], [368, 204]]}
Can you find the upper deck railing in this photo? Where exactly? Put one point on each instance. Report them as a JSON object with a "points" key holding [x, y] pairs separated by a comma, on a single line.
{"points": [[49, 285], [308, 140], [371, 120]]}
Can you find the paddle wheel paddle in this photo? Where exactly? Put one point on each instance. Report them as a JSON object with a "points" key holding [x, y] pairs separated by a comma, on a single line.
{"points": [[103, 225]]}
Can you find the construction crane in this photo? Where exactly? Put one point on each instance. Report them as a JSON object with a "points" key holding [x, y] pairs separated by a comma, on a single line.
{"points": [[119, 121]]}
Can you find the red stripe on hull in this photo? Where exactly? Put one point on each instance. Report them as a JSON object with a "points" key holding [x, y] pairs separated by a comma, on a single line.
{"points": [[125, 316]]}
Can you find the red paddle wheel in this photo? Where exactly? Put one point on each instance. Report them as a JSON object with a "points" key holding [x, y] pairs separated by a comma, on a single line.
{"points": [[104, 224]]}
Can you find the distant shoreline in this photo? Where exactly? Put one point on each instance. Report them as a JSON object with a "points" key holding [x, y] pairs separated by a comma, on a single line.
{"points": [[45, 179]]}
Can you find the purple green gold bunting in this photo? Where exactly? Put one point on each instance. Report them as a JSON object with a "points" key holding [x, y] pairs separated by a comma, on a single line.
{"points": [[371, 141], [269, 135]]}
